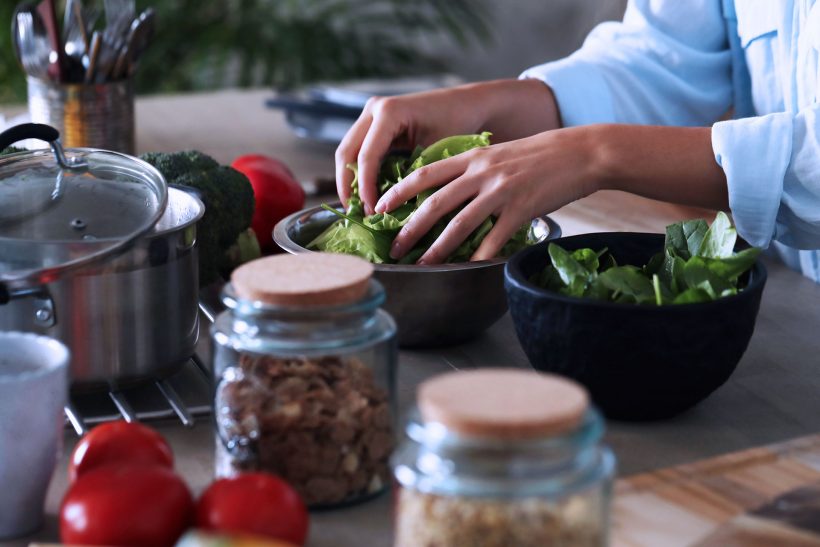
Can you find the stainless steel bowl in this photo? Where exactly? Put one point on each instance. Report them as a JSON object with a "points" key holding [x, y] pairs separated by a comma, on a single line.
{"points": [[433, 305]]}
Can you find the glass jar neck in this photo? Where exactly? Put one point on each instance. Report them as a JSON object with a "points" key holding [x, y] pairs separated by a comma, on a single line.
{"points": [[257, 326], [439, 461]]}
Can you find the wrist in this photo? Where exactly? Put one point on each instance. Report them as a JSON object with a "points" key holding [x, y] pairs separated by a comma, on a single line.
{"points": [[600, 157], [514, 109]]}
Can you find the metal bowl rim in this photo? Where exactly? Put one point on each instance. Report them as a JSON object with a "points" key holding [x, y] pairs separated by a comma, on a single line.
{"points": [[281, 238]]}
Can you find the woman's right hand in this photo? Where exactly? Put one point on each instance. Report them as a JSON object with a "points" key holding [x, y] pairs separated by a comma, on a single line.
{"points": [[510, 109]]}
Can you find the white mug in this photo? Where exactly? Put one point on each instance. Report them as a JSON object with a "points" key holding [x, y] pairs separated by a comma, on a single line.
{"points": [[33, 392]]}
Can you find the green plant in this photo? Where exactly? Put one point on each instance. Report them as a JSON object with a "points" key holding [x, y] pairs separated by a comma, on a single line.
{"points": [[12, 81], [284, 43], [697, 264]]}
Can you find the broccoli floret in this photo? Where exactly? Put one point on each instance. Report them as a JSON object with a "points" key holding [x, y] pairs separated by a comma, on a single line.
{"points": [[229, 205], [177, 164]]}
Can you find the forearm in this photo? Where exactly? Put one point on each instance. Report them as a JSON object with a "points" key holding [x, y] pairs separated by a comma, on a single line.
{"points": [[674, 164], [514, 109]]}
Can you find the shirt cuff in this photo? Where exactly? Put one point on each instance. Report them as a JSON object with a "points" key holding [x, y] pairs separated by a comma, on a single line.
{"points": [[754, 153], [580, 90]]}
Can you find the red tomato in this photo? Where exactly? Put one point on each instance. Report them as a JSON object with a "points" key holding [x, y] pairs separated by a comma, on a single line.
{"points": [[254, 503], [277, 194], [126, 506], [119, 442]]}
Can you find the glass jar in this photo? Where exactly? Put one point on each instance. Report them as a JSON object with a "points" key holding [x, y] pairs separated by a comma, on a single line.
{"points": [[492, 488], [306, 391]]}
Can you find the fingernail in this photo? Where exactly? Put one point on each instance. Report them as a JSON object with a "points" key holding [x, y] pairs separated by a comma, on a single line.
{"points": [[395, 251], [380, 207], [421, 262]]}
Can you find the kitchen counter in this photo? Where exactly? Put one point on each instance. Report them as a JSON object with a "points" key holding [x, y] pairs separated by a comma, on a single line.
{"points": [[771, 397]]}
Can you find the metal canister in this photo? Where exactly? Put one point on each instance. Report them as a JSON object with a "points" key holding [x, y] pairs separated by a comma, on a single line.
{"points": [[87, 116]]}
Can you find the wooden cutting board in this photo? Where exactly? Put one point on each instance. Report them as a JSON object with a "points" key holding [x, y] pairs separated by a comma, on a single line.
{"points": [[760, 497]]}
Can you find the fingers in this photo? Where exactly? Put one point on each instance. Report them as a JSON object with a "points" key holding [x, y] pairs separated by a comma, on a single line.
{"points": [[376, 144], [431, 211], [424, 178], [458, 230], [504, 228], [346, 153]]}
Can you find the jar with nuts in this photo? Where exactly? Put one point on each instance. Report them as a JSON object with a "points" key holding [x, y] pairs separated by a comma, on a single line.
{"points": [[500, 457], [305, 361]]}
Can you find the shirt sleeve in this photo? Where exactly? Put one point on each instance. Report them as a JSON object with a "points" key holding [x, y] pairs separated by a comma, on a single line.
{"points": [[667, 63], [772, 165]]}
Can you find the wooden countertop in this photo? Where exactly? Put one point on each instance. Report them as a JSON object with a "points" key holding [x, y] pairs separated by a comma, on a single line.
{"points": [[771, 397]]}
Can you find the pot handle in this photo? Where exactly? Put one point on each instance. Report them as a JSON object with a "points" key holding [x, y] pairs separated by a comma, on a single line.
{"points": [[25, 131], [45, 314], [45, 133]]}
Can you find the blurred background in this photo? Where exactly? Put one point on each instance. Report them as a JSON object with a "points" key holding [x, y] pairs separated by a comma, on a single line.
{"points": [[209, 44]]}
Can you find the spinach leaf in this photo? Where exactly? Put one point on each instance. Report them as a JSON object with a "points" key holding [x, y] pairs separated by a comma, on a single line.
{"points": [[697, 273], [587, 258], [597, 290], [663, 294], [697, 264], [629, 282], [684, 239], [719, 241], [609, 262], [692, 296], [731, 267], [548, 278], [671, 272], [572, 272], [655, 265]]}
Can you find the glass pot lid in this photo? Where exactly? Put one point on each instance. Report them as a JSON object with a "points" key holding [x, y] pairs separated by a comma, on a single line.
{"points": [[63, 209]]}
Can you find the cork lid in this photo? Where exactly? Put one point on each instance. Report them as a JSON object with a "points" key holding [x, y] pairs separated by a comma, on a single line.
{"points": [[503, 403], [303, 280]]}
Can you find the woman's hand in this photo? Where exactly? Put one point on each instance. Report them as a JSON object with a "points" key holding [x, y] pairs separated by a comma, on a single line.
{"points": [[514, 181], [521, 180], [510, 109]]}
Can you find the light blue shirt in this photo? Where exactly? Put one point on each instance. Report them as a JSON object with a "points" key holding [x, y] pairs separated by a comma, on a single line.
{"points": [[688, 62]]}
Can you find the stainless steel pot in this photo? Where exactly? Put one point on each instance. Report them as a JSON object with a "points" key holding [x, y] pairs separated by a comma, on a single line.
{"points": [[97, 252], [133, 316]]}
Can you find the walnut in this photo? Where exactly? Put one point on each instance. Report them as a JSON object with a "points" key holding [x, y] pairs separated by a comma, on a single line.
{"points": [[323, 424]]}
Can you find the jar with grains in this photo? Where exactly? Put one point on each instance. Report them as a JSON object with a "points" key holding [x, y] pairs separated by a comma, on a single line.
{"points": [[500, 457], [305, 363]]}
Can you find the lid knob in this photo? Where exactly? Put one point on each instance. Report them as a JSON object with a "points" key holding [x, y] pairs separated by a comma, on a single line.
{"points": [[303, 280], [503, 403]]}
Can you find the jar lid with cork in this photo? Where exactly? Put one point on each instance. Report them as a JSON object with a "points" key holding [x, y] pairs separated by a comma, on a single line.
{"points": [[513, 457], [305, 368]]}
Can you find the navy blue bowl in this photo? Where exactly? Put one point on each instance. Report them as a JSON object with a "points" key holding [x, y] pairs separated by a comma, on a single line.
{"points": [[638, 362]]}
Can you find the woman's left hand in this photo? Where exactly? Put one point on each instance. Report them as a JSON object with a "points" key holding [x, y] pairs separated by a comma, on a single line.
{"points": [[514, 181]]}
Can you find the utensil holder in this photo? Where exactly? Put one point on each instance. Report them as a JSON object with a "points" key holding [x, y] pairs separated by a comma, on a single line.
{"points": [[87, 116]]}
